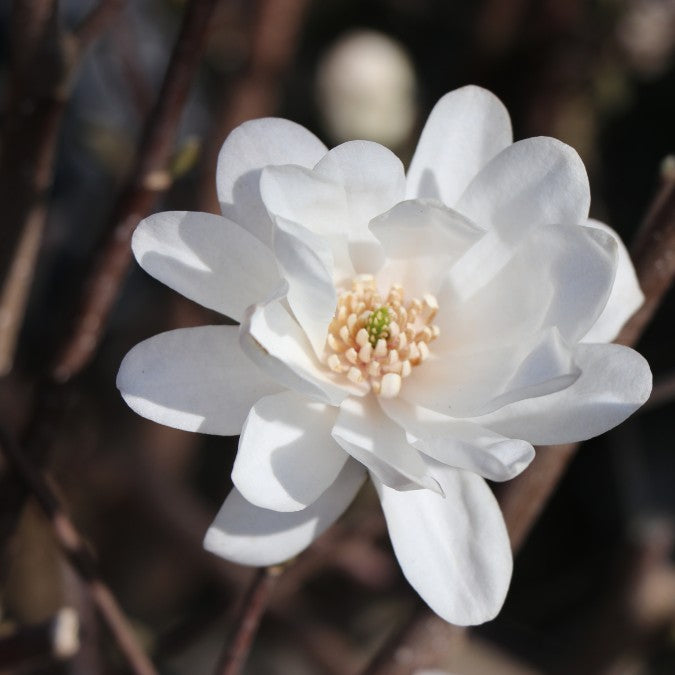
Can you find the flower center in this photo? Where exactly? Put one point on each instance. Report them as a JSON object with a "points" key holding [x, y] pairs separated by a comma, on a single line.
{"points": [[378, 341]]}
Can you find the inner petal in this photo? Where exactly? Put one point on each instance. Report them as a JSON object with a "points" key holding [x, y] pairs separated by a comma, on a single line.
{"points": [[380, 340]]}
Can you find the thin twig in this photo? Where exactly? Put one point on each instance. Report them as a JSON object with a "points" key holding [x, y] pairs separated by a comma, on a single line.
{"points": [[247, 621], [654, 258], [94, 23], [523, 498], [37, 77], [79, 556], [44, 60], [256, 93], [149, 179]]}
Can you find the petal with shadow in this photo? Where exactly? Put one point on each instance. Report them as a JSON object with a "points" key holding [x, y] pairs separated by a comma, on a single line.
{"points": [[196, 379], [249, 535], [252, 146], [287, 457], [206, 258]]}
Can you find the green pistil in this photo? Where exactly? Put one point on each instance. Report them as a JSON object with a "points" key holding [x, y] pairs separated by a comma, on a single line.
{"points": [[378, 325]]}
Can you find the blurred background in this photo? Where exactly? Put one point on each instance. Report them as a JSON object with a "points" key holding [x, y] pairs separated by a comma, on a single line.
{"points": [[594, 586]]}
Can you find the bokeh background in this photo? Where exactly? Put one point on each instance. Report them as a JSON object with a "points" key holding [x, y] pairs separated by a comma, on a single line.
{"points": [[594, 586]]}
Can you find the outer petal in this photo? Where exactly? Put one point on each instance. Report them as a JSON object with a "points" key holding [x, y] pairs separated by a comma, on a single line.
{"points": [[370, 437], [460, 443], [615, 381], [465, 384], [287, 457], [206, 258], [454, 551], [250, 147], [536, 181], [465, 130], [273, 340], [625, 299], [196, 379], [249, 535], [557, 276]]}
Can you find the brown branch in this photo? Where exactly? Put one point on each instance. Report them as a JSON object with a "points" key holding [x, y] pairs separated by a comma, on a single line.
{"points": [[247, 621], [256, 93], [79, 555], [523, 498], [416, 644], [56, 639], [43, 63], [653, 257], [37, 82], [94, 23], [149, 179]]}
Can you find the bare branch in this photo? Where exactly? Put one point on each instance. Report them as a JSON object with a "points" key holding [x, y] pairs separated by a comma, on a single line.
{"points": [[38, 76], [44, 61], [149, 179], [96, 22], [79, 556], [256, 92], [247, 621]]}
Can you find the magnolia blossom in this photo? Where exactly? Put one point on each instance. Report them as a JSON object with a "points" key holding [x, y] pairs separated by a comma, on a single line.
{"points": [[423, 329]]}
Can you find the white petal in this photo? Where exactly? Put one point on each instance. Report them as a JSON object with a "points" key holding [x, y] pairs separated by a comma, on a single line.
{"points": [[197, 379], [287, 457], [625, 299], [615, 381], [206, 258], [369, 436], [250, 147], [465, 130], [274, 341], [306, 263], [249, 535], [557, 276], [302, 196], [372, 180], [536, 181], [465, 384], [454, 551], [352, 184], [460, 443], [421, 239]]}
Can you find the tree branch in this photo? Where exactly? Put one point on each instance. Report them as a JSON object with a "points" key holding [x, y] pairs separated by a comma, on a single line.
{"points": [[246, 624], [43, 63], [149, 179], [79, 556]]}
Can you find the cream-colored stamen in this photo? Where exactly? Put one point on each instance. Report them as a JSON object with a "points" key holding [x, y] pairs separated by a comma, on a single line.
{"points": [[378, 341]]}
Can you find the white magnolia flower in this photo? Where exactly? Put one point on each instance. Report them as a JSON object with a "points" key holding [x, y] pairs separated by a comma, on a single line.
{"points": [[474, 303]]}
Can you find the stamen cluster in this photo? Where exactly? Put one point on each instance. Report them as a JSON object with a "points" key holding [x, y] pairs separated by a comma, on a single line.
{"points": [[379, 341]]}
